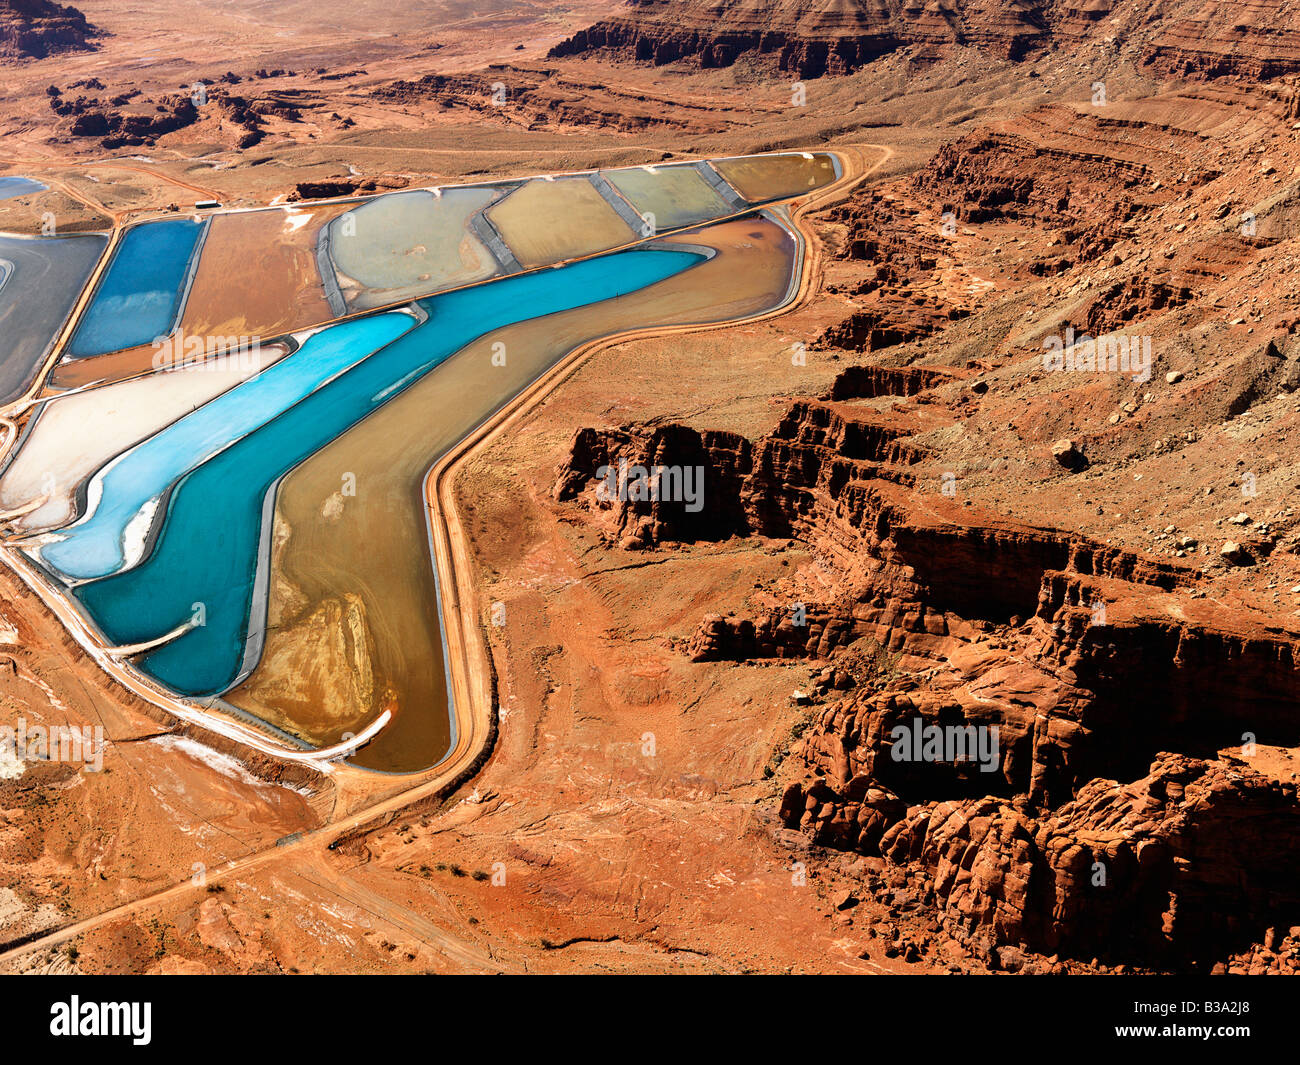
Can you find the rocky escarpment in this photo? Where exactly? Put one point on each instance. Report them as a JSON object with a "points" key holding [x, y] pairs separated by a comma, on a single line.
{"points": [[330, 189], [36, 29], [1066, 666], [871, 382], [635, 480], [812, 40], [828, 39], [904, 289], [884, 327], [1188, 38], [1123, 302], [1084, 175], [881, 230], [89, 117], [1256, 40], [1157, 864]]}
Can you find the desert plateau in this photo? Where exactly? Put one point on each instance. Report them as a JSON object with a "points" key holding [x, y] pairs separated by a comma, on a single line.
{"points": [[650, 488]]}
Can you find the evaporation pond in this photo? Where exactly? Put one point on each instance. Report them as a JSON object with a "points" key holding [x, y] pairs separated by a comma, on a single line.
{"points": [[214, 535], [124, 493], [138, 296], [43, 278], [18, 186]]}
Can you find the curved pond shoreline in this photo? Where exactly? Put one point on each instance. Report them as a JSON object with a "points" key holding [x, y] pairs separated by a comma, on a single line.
{"points": [[72, 435], [13, 185], [96, 545], [372, 551], [196, 566]]}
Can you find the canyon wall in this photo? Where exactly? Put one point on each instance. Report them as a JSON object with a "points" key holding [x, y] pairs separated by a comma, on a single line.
{"points": [[1255, 40], [39, 28], [1124, 716]]}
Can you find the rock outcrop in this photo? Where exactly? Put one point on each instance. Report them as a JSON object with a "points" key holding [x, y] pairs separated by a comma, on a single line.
{"points": [[668, 483], [901, 292], [542, 98], [1156, 866], [806, 40], [1187, 39], [130, 120], [1049, 170], [1257, 41], [36, 29], [1000, 633]]}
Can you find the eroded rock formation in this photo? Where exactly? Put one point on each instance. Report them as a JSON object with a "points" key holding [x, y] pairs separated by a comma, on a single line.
{"points": [[1106, 797], [36, 29], [543, 98], [130, 119], [808, 41], [1002, 629], [1256, 41]]}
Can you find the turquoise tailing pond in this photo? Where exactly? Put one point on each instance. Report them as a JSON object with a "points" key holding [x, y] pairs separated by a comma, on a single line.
{"points": [[138, 296], [117, 494], [207, 548]]}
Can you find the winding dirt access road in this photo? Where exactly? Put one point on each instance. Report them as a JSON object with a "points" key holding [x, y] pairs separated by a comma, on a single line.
{"points": [[472, 676]]}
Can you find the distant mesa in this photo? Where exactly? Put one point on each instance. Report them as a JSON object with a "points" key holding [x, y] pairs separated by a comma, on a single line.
{"points": [[812, 38], [807, 39], [36, 29]]}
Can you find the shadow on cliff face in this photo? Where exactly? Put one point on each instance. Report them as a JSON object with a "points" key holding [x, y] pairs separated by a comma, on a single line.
{"points": [[995, 631]]}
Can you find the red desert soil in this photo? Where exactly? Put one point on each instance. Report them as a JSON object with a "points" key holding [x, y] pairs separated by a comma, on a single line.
{"points": [[682, 777]]}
